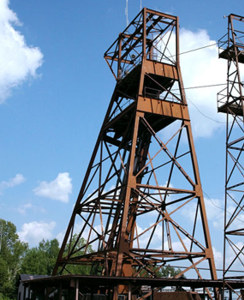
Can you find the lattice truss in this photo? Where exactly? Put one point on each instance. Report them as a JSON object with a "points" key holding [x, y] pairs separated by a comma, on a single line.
{"points": [[136, 42], [141, 206], [230, 101]]}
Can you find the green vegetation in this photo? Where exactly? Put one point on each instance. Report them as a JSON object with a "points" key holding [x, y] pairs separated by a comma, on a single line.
{"points": [[17, 258], [78, 269], [12, 251], [170, 271], [163, 272], [40, 260]]}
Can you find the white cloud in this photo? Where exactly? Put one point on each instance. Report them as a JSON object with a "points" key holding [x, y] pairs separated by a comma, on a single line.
{"points": [[18, 179], [18, 61], [214, 209], [58, 189], [23, 209], [60, 237], [34, 232], [218, 258], [215, 212], [231, 255], [201, 68]]}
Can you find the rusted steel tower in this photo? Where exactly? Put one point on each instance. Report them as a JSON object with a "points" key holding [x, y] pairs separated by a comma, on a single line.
{"points": [[141, 204], [230, 102]]}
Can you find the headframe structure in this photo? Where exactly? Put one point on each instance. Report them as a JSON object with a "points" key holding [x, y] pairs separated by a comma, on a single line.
{"points": [[141, 206], [230, 102]]}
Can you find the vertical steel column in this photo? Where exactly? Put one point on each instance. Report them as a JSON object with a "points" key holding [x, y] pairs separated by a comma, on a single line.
{"points": [[230, 102]]}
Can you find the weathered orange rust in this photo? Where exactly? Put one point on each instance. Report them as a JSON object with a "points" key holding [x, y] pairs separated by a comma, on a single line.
{"points": [[141, 204], [230, 102]]}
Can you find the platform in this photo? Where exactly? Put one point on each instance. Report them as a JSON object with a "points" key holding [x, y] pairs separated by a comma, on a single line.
{"points": [[229, 53], [236, 106]]}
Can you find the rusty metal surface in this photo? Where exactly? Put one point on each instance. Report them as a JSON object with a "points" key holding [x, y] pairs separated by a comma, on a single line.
{"points": [[141, 204], [90, 281], [176, 296], [88, 285], [230, 102]]}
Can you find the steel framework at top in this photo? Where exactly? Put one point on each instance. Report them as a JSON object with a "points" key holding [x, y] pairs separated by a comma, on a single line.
{"points": [[143, 39], [141, 203]]}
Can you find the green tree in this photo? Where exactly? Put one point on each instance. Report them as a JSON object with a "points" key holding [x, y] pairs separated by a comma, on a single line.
{"points": [[11, 253], [80, 250], [169, 271], [41, 260], [164, 272]]}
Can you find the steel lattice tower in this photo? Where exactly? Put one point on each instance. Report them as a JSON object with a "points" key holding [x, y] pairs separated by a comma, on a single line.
{"points": [[230, 102], [141, 204]]}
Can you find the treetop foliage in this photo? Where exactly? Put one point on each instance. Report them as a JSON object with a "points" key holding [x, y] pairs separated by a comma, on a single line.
{"points": [[17, 258], [12, 251]]}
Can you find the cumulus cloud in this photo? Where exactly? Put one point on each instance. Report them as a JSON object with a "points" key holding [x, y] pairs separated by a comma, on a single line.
{"points": [[34, 232], [23, 209], [12, 182], [201, 68], [18, 61], [215, 212], [60, 237], [58, 189]]}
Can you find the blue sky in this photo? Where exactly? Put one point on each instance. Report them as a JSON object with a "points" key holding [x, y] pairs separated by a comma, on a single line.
{"points": [[55, 88]]}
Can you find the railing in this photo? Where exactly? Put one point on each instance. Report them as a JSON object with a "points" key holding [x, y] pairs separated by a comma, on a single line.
{"points": [[223, 42], [222, 98], [160, 95]]}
